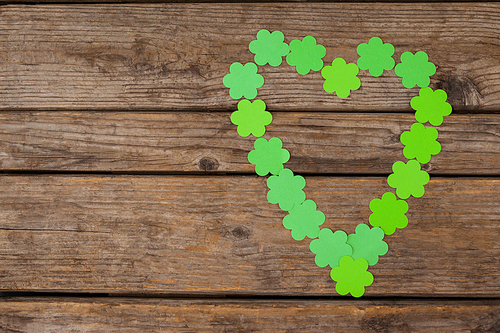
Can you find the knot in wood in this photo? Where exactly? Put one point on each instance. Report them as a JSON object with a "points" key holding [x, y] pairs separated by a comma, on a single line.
{"points": [[208, 164]]}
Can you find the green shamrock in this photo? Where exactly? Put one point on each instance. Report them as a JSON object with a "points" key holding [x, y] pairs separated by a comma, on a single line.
{"points": [[415, 69], [408, 179], [268, 156], [431, 106], [269, 48], [420, 143], [304, 220], [305, 55], [330, 247], [340, 78], [367, 243], [351, 276], [286, 189], [388, 213], [375, 56], [243, 81], [251, 118]]}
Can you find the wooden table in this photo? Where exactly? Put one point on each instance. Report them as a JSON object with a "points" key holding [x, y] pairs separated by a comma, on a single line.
{"points": [[128, 203]]}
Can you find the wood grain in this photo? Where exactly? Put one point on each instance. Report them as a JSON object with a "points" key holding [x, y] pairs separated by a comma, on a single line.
{"points": [[121, 315], [194, 142], [219, 235], [173, 56]]}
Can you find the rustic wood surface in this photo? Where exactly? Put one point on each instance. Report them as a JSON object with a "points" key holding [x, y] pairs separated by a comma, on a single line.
{"points": [[219, 235], [156, 315], [319, 143], [173, 56]]}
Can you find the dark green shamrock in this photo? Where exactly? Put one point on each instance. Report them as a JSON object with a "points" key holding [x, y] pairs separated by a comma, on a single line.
{"points": [[306, 55], [285, 189], [408, 179], [351, 276], [388, 213], [415, 69], [376, 56], [367, 243], [269, 48], [431, 106], [330, 247], [268, 156], [304, 220], [420, 143]]}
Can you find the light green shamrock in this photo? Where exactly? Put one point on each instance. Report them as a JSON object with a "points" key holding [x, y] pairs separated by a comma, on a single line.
{"points": [[415, 69], [375, 56], [251, 118], [243, 81], [420, 143], [351, 276], [268, 156], [388, 213], [330, 247], [340, 78], [431, 106], [306, 55], [286, 189], [304, 220], [408, 179], [269, 48], [367, 243]]}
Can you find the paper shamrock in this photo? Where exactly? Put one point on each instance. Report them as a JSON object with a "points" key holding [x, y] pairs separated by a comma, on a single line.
{"points": [[243, 81], [351, 276], [268, 156], [304, 220], [306, 55], [415, 69], [420, 143], [269, 48], [375, 56], [251, 118], [340, 77], [408, 179], [330, 247], [388, 213], [285, 189], [431, 106], [367, 243]]}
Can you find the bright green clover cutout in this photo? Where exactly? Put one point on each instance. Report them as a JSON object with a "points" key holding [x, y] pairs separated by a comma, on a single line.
{"points": [[269, 48], [431, 106], [243, 81], [304, 220], [408, 179], [268, 156], [375, 56], [251, 118], [420, 143], [286, 189], [330, 247], [388, 213], [351, 276], [340, 78], [415, 69], [306, 55], [367, 243]]}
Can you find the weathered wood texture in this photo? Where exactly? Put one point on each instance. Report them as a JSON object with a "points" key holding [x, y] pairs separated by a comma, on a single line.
{"points": [[173, 56], [219, 235], [34, 315], [177, 142]]}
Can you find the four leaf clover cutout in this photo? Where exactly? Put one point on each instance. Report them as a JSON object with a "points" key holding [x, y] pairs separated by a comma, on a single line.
{"points": [[348, 256]]}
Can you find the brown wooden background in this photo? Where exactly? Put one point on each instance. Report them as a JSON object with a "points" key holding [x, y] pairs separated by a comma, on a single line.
{"points": [[127, 203]]}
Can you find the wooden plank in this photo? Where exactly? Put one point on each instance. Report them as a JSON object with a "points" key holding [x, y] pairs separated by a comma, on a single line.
{"points": [[163, 315], [219, 235], [173, 56], [177, 142]]}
